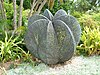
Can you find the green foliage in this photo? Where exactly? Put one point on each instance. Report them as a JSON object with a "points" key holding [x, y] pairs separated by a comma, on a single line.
{"points": [[89, 20], [67, 5], [25, 17], [8, 23], [85, 5], [90, 39], [26, 3], [10, 49], [4, 27], [9, 15], [9, 10], [12, 46], [96, 17], [81, 6], [90, 24], [90, 42], [77, 14]]}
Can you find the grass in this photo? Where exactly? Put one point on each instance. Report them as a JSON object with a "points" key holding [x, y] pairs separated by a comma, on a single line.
{"points": [[77, 66]]}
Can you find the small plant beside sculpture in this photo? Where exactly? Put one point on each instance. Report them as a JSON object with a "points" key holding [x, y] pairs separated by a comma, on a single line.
{"points": [[52, 39]]}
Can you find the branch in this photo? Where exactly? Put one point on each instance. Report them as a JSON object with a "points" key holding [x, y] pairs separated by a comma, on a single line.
{"points": [[41, 6], [33, 5]]}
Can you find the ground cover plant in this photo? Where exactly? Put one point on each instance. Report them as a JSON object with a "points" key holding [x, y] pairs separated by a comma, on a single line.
{"points": [[76, 66]]}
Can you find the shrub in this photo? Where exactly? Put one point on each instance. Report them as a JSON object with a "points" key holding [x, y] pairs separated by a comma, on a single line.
{"points": [[9, 10], [10, 49], [25, 17], [9, 14], [90, 39], [90, 42], [66, 5], [77, 14], [88, 20], [96, 17]]}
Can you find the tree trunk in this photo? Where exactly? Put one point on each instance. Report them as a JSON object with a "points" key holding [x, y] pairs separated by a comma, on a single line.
{"points": [[2, 10], [20, 13], [50, 4], [61, 1], [41, 6], [36, 7], [15, 15], [32, 7]]}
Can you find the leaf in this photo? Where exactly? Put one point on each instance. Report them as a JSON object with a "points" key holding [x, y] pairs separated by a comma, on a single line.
{"points": [[60, 13], [67, 44], [36, 17], [72, 24], [48, 14], [36, 36]]}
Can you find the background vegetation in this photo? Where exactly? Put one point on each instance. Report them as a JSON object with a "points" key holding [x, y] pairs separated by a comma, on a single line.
{"points": [[14, 16]]}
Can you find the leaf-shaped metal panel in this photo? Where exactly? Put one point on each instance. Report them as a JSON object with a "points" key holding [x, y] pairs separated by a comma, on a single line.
{"points": [[72, 24], [59, 13], [32, 37], [36, 17], [48, 50], [66, 41], [42, 42], [30, 43], [48, 14]]}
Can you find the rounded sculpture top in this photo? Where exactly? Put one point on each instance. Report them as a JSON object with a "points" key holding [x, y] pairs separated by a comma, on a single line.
{"points": [[48, 14], [60, 13]]}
